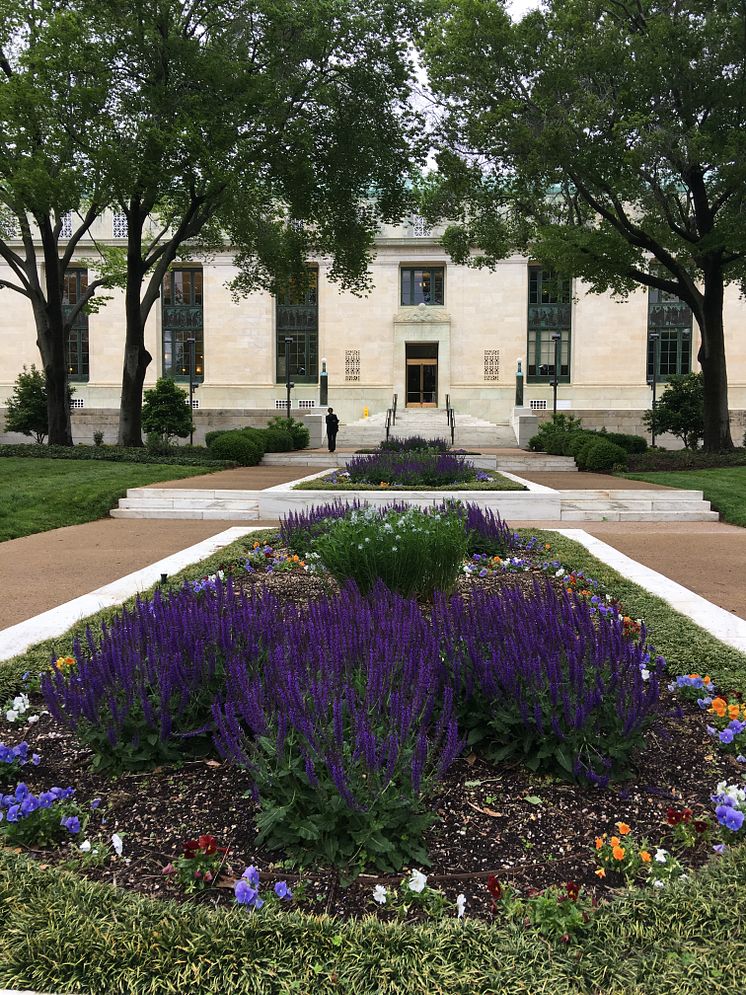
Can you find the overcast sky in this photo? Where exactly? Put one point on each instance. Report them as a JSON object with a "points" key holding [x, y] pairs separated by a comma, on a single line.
{"points": [[517, 8]]}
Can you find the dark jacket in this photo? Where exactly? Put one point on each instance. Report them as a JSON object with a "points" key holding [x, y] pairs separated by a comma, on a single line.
{"points": [[332, 424]]}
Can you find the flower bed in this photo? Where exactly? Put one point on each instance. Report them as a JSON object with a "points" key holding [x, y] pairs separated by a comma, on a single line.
{"points": [[369, 735]]}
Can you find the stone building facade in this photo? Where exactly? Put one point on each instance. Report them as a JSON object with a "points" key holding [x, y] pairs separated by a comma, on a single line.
{"points": [[428, 330]]}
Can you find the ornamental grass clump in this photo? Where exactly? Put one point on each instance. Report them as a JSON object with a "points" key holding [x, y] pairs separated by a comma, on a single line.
{"points": [[411, 469], [345, 729], [412, 552], [142, 689], [545, 678]]}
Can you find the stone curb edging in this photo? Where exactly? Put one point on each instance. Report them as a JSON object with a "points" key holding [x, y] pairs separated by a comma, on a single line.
{"points": [[723, 625], [18, 638]]}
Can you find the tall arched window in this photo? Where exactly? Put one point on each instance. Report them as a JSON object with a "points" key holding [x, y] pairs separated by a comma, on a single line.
{"points": [[182, 320]]}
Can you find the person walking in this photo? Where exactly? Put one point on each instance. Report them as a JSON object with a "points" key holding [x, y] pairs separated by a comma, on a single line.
{"points": [[332, 427]]}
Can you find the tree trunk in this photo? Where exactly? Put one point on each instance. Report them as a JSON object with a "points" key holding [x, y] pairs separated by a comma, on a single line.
{"points": [[711, 357], [136, 361], [52, 349], [136, 356]]}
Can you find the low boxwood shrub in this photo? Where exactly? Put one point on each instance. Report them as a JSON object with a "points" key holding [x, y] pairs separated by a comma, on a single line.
{"points": [[682, 459], [574, 441], [239, 446], [558, 425], [413, 552], [210, 437], [602, 456], [630, 443], [278, 441]]}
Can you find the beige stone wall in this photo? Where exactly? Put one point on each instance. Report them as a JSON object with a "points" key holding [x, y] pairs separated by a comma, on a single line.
{"points": [[483, 310]]}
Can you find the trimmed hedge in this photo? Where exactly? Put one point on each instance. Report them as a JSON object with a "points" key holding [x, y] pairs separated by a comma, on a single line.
{"points": [[601, 456], [278, 441], [685, 459], [240, 447], [630, 443], [176, 455]]}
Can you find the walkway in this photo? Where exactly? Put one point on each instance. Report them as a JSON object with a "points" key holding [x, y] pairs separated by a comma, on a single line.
{"points": [[42, 571], [243, 478]]}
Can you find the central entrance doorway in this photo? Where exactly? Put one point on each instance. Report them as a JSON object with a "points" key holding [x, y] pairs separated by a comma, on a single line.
{"points": [[422, 374]]}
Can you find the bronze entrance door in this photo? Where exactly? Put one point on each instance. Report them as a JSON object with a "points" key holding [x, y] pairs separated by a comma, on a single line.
{"points": [[422, 375]]}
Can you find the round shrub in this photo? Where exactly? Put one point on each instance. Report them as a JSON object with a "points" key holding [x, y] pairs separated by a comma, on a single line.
{"points": [[210, 437], [575, 441], [239, 447], [630, 443], [554, 443], [277, 441], [300, 434], [602, 456]]}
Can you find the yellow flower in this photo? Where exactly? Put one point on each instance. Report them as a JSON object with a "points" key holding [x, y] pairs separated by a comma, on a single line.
{"points": [[623, 828], [645, 857], [599, 842], [547, 545], [618, 853], [615, 841], [600, 873], [733, 711]]}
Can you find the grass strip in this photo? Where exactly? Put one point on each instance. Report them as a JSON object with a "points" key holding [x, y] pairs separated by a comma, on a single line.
{"points": [[64, 934], [37, 495], [725, 489]]}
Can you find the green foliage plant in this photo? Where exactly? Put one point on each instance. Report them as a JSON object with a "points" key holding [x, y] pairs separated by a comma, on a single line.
{"points": [[27, 405], [559, 425], [311, 822], [298, 431], [413, 553], [630, 443], [278, 441], [165, 412], [680, 410]]}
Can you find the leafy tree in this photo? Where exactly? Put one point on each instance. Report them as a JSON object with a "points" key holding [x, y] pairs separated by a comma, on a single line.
{"points": [[606, 138], [680, 410], [165, 411], [312, 119], [27, 405], [54, 85]]}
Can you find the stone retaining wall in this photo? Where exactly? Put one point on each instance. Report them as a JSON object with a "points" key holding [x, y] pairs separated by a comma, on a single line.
{"points": [[630, 422]]}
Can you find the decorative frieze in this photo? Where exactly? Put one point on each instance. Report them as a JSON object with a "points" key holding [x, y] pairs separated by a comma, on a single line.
{"points": [[491, 364], [352, 365]]}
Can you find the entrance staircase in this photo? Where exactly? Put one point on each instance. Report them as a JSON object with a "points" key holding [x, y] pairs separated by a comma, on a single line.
{"points": [[429, 423], [635, 506]]}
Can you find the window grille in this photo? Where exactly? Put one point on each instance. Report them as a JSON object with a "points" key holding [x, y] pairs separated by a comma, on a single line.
{"points": [[538, 405], [279, 404], [119, 226], [67, 225], [420, 227], [352, 365], [195, 404], [491, 364], [77, 402], [306, 404]]}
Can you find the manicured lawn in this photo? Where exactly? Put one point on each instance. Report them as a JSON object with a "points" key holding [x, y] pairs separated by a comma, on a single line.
{"points": [[41, 494], [724, 488]]}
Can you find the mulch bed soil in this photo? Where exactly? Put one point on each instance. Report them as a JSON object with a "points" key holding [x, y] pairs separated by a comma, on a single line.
{"points": [[528, 830]]}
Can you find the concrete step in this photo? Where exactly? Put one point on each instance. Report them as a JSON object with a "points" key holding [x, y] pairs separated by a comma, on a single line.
{"points": [[570, 515], [209, 514], [619, 493]]}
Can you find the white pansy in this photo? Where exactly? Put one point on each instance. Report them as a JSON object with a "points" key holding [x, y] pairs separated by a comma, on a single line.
{"points": [[645, 674], [116, 844], [460, 906], [658, 884], [10, 715], [32, 718], [379, 894], [417, 882], [661, 855], [85, 846]]}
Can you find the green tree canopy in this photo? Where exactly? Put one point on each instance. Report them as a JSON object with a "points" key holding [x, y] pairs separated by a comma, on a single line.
{"points": [[605, 138], [27, 405]]}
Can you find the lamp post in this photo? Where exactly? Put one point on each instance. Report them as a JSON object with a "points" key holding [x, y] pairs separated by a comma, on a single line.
{"points": [[519, 385], [654, 337], [288, 385], [556, 338], [323, 385], [191, 343]]}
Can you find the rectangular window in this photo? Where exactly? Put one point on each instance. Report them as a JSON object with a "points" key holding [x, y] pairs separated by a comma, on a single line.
{"points": [[422, 286], [298, 332], [549, 315], [182, 320], [670, 319], [74, 285]]}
